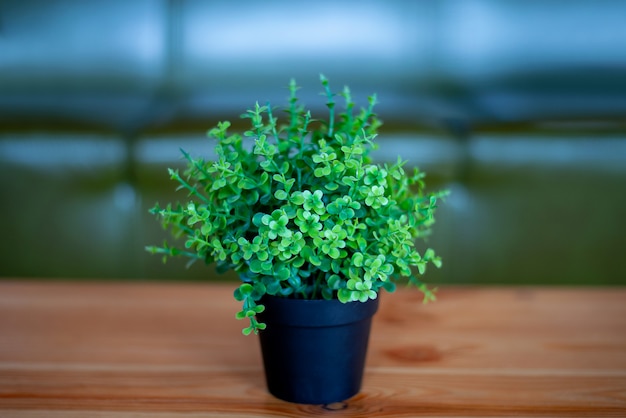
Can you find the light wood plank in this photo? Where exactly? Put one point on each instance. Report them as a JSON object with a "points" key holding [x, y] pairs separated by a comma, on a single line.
{"points": [[165, 350]]}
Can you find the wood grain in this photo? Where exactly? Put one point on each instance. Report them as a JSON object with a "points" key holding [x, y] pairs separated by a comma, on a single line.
{"points": [[164, 350]]}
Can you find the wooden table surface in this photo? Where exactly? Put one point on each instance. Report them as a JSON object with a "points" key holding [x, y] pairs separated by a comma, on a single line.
{"points": [[175, 350]]}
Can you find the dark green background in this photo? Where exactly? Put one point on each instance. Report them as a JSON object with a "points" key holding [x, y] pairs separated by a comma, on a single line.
{"points": [[516, 107]]}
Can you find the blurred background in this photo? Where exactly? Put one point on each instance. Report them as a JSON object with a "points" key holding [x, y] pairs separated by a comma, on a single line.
{"points": [[517, 107]]}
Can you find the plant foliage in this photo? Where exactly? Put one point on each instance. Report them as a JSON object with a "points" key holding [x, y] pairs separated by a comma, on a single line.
{"points": [[304, 213]]}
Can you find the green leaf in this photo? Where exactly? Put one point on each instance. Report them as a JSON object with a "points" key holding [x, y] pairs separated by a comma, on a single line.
{"points": [[334, 282], [282, 273], [421, 267], [252, 197], [297, 198], [280, 195], [315, 260], [257, 219], [246, 289], [259, 290], [389, 286], [357, 259], [266, 267], [247, 184], [256, 266], [344, 295], [295, 282]]}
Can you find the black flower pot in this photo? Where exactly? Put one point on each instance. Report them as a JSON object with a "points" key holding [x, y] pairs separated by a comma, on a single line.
{"points": [[314, 350]]}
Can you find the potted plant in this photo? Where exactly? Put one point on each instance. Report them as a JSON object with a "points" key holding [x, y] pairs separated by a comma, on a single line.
{"points": [[314, 229]]}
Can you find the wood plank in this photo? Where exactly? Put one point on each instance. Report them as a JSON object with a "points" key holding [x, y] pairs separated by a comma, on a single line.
{"points": [[386, 393], [165, 350]]}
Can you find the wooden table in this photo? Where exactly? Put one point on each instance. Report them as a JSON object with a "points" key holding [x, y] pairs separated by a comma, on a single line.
{"points": [[175, 350]]}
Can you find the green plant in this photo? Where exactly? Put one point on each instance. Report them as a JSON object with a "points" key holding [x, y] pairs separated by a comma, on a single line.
{"points": [[304, 213]]}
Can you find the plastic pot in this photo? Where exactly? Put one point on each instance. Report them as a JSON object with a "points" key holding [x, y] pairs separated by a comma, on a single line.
{"points": [[314, 350]]}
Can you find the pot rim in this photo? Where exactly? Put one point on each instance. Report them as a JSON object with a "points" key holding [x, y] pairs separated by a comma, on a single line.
{"points": [[314, 312]]}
